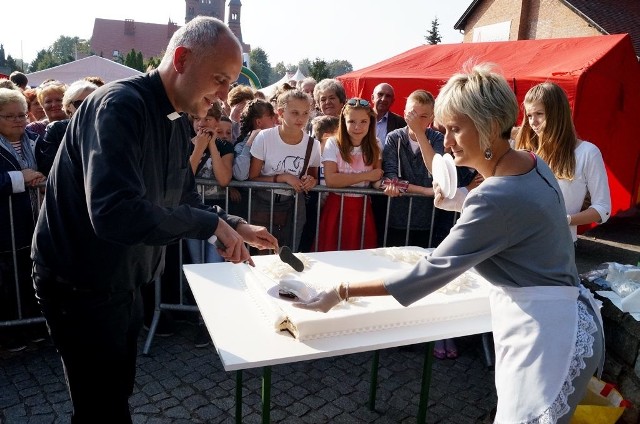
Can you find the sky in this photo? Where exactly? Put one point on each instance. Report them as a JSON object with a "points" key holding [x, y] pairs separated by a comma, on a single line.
{"points": [[363, 32]]}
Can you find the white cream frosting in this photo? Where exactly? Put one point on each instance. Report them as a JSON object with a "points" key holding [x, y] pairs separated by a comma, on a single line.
{"points": [[458, 299]]}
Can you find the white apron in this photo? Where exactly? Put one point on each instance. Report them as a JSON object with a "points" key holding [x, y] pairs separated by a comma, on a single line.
{"points": [[541, 336]]}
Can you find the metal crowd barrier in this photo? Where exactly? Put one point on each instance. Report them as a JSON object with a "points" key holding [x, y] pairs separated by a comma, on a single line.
{"points": [[182, 302], [20, 319]]}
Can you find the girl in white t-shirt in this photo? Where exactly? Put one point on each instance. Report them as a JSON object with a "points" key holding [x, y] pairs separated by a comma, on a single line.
{"points": [[278, 156], [351, 159]]}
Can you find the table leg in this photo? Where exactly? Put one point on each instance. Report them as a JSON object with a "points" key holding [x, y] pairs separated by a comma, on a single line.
{"points": [[426, 382], [266, 395], [239, 397], [374, 380]]}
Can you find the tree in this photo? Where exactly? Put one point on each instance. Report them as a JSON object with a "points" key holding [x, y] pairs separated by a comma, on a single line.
{"points": [[44, 60], [319, 69], [259, 64], [304, 66], [433, 35], [339, 67], [12, 64], [67, 49], [134, 60], [63, 50], [277, 72]]}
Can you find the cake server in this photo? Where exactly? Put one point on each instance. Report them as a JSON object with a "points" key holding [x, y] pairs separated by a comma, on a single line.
{"points": [[287, 256]]}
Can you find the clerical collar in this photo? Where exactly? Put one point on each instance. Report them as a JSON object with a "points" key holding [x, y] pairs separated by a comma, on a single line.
{"points": [[173, 115]]}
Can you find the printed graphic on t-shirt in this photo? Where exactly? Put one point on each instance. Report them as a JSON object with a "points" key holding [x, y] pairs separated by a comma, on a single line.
{"points": [[290, 164]]}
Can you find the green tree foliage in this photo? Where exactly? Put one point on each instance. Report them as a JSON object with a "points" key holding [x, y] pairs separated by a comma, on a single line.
{"points": [[304, 66], [63, 50], [277, 72], [135, 60], [339, 67], [433, 35], [319, 69], [259, 64], [44, 60], [12, 64]]}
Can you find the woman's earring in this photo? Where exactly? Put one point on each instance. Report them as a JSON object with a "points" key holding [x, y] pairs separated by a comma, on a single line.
{"points": [[488, 154]]}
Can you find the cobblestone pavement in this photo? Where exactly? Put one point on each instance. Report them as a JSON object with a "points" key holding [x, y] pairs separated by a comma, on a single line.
{"points": [[178, 383]]}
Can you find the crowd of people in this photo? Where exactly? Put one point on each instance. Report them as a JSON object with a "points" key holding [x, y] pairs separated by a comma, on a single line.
{"points": [[120, 165]]}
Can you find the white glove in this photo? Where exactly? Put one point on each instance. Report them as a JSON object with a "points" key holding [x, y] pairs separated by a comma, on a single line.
{"points": [[323, 302], [442, 202]]}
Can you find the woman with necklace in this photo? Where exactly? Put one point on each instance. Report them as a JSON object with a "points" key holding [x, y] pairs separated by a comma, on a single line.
{"points": [[513, 230]]}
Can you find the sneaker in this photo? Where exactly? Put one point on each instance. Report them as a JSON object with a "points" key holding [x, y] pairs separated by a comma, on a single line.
{"points": [[202, 337]]}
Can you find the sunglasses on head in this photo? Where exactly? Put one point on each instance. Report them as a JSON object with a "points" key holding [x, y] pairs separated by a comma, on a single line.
{"points": [[358, 102]]}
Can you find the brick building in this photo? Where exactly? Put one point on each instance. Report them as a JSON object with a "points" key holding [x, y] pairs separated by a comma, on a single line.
{"points": [[114, 38], [503, 20]]}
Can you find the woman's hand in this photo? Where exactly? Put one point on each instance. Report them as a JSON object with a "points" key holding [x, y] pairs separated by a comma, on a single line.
{"points": [[323, 302], [442, 202]]}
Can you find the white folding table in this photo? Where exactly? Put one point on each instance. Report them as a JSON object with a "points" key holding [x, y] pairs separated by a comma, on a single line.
{"points": [[243, 338]]}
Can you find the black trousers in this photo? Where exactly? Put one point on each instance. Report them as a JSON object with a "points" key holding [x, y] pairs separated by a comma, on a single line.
{"points": [[96, 335]]}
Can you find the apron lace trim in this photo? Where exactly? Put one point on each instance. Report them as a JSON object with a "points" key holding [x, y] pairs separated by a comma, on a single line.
{"points": [[583, 349]]}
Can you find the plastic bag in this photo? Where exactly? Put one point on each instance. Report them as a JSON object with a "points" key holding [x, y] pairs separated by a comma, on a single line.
{"points": [[602, 404]]}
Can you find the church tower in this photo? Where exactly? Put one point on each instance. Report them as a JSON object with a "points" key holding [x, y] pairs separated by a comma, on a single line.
{"points": [[233, 21], [214, 8]]}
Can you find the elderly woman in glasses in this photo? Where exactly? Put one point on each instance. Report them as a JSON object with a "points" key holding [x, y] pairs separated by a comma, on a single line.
{"points": [[547, 327], [71, 101], [18, 208], [50, 96]]}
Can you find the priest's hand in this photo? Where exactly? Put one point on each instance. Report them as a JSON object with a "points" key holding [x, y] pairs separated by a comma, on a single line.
{"points": [[257, 236]]}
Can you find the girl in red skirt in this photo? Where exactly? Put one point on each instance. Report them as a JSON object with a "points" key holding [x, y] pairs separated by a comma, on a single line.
{"points": [[351, 159]]}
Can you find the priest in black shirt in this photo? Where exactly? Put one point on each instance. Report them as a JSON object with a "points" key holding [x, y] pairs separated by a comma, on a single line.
{"points": [[120, 189]]}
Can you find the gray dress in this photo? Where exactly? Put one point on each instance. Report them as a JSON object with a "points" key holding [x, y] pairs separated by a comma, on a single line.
{"points": [[513, 230]]}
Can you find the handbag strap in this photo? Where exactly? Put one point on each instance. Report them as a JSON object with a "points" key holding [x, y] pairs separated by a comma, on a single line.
{"points": [[307, 156]]}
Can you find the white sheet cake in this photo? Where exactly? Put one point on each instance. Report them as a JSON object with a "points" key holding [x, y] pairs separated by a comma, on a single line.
{"points": [[460, 298]]}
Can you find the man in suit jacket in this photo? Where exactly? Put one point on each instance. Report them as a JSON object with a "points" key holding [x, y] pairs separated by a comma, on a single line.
{"points": [[382, 99], [387, 121]]}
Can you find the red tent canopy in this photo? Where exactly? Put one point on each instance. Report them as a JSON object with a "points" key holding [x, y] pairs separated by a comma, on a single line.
{"points": [[601, 76]]}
